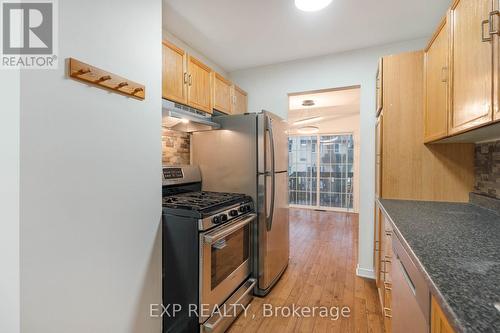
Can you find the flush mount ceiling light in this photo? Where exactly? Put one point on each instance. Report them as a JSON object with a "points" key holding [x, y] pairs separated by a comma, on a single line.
{"points": [[308, 102], [311, 5], [308, 130], [308, 120]]}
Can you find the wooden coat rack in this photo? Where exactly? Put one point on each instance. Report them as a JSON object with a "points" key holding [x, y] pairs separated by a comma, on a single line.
{"points": [[96, 76]]}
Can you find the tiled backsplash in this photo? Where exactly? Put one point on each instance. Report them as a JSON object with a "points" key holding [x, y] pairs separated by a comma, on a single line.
{"points": [[488, 169], [175, 147]]}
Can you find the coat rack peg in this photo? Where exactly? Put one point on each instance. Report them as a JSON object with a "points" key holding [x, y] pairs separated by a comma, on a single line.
{"points": [[103, 79], [83, 71]]}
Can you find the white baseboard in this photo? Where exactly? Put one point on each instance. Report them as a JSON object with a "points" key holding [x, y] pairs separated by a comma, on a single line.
{"points": [[365, 273]]}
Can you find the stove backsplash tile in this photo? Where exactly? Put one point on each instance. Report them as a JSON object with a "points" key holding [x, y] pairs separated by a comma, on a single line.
{"points": [[175, 147], [487, 169]]}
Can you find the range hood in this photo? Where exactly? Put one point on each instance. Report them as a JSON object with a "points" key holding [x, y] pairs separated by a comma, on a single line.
{"points": [[186, 119]]}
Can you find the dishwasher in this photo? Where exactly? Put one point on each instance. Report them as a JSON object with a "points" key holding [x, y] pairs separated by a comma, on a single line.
{"points": [[410, 294]]}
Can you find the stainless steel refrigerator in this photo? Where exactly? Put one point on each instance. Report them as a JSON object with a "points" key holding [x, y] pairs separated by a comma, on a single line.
{"points": [[249, 154]]}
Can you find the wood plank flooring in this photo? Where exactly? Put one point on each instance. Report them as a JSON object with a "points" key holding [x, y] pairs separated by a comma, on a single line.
{"points": [[321, 272]]}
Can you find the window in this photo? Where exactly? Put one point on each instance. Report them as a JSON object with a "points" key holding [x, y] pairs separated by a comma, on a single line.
{"points": [[321, 170]]}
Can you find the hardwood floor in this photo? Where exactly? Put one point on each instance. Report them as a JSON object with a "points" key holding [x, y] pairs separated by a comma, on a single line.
{"points": [[321, 272]]}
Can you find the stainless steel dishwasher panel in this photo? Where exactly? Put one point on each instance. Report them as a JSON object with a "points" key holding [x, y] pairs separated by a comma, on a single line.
{"points": [[410, 294]]}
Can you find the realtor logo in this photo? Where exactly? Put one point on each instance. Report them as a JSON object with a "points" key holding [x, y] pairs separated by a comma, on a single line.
{"points": [[29, 32]]}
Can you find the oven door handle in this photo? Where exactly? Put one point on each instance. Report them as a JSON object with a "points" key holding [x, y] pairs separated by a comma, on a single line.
{"points": [[212, 238]]}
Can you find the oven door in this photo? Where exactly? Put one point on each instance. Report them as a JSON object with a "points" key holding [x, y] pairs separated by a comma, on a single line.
{"points": [[224, 262]]}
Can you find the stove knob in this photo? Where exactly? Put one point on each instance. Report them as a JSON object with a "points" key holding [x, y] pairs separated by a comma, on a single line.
{"points": [[216, 220], [233, 213], [223, 217], [242, 209]]}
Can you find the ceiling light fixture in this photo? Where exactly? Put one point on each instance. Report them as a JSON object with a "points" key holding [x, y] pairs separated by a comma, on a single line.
{"points": [[330, 140], [308, 102], [311, 5], [307, 121], [308, 130]]}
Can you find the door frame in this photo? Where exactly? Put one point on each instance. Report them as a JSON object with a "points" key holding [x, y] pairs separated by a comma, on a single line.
{"points": [[318, 206]]}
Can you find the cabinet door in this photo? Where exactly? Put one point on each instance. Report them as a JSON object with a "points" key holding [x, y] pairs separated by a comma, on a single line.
{"points": [[378, 155], [199, 85], [240, 101], [174, 76], [380, 80], [436, 86], [223, 99], [439, 322], [471, 65]]}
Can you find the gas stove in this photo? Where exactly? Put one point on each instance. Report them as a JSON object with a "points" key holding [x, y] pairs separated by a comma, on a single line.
{"points": [[206, 251], [183, 197]]}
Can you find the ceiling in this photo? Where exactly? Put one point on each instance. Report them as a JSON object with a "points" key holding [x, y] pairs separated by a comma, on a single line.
{"points": [[325, 99], [238, 34], [330, 106]]}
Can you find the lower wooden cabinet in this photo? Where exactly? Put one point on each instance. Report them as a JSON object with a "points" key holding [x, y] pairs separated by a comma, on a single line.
{"points": [[439, 322]]}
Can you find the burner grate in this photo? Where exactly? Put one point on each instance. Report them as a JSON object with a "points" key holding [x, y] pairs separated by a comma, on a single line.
{"points": [[200, 201]]}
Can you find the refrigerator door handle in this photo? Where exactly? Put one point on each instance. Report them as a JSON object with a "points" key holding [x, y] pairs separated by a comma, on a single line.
{"points": [[269, 129]]}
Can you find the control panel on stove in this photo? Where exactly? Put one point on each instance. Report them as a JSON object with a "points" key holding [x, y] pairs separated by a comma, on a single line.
{"points": [[231, 213], [173, 173]]}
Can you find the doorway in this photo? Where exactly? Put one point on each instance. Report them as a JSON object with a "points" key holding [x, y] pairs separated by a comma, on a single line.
{"points": [[323, 150]]}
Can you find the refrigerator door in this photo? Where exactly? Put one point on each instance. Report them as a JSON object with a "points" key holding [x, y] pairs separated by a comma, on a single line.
{"points": [[278, 128], [274, 243], [273, 230]]}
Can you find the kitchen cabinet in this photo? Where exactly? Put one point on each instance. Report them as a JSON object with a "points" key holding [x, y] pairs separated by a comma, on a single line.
{"points": [[240, 101], [174, 76], [222, 93], [472, 70], [436, 97], [439, 322], [379, 86], [378, 155], [199, 85], [410, 170], [383, 259]]}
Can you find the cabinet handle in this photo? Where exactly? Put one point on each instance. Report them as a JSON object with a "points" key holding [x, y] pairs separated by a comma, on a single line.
{"points": [[387, 286], [190, 80], [185, 78], [485, 39], [387, 313], [444, 74], [492, 21]]}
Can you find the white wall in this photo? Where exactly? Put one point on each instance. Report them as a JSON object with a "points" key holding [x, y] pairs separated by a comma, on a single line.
{"points": [[195, 53], [268, 87], [9, 201], [90, 168]]}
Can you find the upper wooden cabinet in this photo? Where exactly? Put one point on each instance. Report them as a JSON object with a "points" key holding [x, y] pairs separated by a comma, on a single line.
{"points": [[240, 101], [174, 76], [436, 85], [379, 86], [222, 96], [472, 70], [199, 85]]}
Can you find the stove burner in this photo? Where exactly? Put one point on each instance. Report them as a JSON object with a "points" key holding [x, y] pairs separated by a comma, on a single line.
{"points": [[201, 201]]}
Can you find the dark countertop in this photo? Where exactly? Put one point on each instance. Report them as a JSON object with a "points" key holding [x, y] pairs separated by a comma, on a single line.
{"points": [[458, 248]]}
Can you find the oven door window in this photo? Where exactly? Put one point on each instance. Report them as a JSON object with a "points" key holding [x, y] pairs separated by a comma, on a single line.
{"points": [[228, 254]]}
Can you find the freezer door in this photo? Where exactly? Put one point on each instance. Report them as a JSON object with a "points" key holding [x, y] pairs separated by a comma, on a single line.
{"points": [[274, 243], [278, 128]]}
